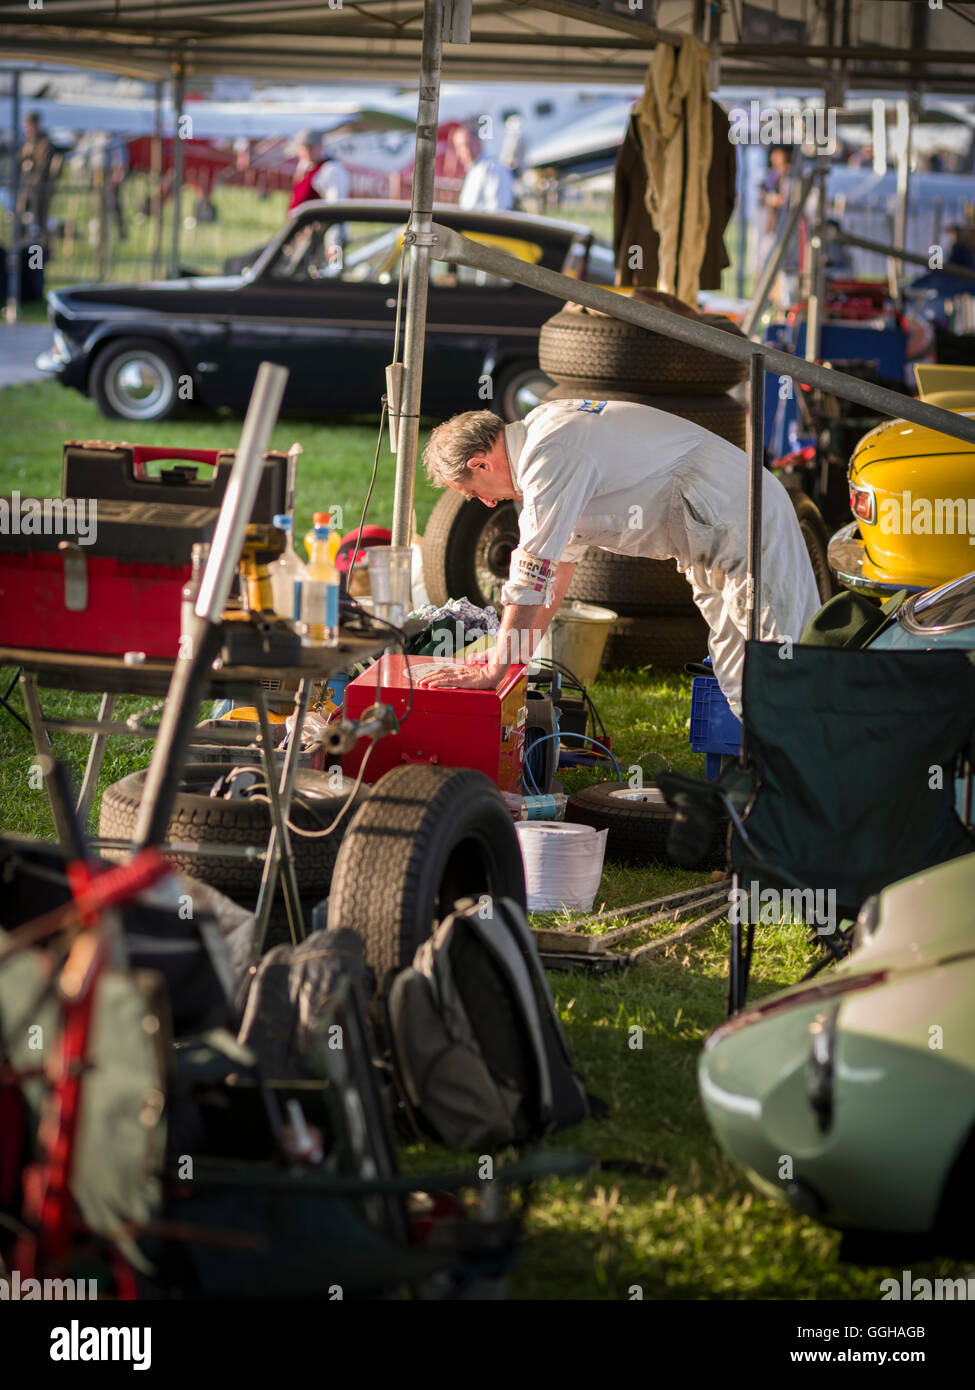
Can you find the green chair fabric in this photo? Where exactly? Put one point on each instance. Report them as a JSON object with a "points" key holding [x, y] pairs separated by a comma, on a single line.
{"points": [[848, 781]]}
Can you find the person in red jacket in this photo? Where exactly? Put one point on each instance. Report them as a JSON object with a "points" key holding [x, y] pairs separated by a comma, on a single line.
{"points": [[317, 176]]}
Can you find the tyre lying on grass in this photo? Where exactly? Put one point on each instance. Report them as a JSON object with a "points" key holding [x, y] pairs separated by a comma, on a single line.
{"points": [[637, 820], [200, 819], [424, 838]]}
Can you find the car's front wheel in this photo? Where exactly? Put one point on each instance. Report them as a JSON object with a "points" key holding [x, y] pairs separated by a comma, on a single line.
{"points": [[519, 389], [135, 379]]}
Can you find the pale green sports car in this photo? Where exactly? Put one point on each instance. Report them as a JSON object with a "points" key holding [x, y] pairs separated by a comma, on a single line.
{"points": [[852, 1097]]}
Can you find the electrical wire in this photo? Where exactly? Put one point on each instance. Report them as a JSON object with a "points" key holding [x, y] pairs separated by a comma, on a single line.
{"points": [[401, 639], [568, 733], [372, 484], [550, 664], [312, 810]]}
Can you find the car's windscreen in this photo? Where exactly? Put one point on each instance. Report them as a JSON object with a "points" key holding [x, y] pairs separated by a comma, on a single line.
{"points": [[953, 605], [360, 252], [370, 252]]}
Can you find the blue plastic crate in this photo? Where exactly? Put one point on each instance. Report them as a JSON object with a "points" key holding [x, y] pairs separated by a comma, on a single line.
{"points": [[715, 729]]}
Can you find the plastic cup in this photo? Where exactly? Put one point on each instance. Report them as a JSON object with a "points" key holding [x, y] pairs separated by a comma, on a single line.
{"points": [[390, 581]]}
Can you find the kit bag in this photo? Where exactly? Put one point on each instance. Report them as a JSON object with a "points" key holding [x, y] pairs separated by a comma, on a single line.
{"points": [[288, 999], [478, 1051]]}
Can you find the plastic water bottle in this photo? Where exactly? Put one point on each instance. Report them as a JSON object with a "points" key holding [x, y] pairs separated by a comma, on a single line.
{"points": [[334, 539], [287, 574], [320, 595]]}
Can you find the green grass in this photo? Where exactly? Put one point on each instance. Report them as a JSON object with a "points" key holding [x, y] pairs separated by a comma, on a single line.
{"points": [[244, 221], [697, 1231]]}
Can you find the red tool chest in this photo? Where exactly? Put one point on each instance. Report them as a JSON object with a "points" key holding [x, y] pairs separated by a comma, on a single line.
{"points": [[119, 593], [483, 729]]}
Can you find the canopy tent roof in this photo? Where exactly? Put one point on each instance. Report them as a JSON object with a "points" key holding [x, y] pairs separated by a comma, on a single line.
{"points": [[897, 43]]}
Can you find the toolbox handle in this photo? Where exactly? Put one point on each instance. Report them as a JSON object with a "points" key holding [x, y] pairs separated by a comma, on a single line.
{"points": [[150, 453]]}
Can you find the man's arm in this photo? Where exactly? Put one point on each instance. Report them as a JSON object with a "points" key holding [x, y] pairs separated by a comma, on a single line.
{"points": [[523, 625]]}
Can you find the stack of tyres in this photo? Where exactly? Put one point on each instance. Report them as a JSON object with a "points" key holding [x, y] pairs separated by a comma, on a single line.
{"points": [[589, 354]]}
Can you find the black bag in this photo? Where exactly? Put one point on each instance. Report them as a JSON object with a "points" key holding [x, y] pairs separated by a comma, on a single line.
{"points": [[283, 1017], [478, 1052]]}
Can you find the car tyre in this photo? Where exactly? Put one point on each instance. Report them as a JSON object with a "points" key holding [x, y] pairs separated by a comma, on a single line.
{"points": [[813, 530], [199, 819], [722, 415], [136, 379], [519, 389], [666, 640], [424, 838], [629, 584], [637, 821], [585, 345], [467, 549]]}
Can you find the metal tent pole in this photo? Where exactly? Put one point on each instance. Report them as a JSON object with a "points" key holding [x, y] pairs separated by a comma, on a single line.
{"points": [[419, 239], [963, 272], [905, 112], [13, 254], [454, 248], [817, 268], [756, 465], [179, 98], [156, 163]]}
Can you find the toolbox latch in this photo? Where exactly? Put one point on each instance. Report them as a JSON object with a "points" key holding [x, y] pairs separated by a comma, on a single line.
{"points": [[75, 577]]}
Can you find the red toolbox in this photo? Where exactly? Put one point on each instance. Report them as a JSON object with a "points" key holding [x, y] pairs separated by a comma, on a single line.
{"points": [[109, 583], [121, 472], [483, 729]]}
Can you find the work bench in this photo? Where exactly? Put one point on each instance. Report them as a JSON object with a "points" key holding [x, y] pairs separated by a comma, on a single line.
{"points": [[111, 676]]}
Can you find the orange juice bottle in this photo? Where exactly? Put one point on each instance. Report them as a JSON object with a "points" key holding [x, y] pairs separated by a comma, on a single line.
{"points": [[320, 591]]}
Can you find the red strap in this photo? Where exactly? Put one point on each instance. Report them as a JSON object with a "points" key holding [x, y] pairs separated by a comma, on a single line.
{"points": [[149, 453]]}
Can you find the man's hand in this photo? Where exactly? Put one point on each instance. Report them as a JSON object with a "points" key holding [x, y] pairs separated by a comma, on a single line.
{"points": [[467, 676]]}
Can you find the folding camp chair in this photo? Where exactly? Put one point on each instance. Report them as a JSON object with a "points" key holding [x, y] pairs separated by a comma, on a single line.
{"points": [[846, 781]]}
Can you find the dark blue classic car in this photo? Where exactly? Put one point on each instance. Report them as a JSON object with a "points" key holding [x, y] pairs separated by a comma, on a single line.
{"points": [[321, 300]]}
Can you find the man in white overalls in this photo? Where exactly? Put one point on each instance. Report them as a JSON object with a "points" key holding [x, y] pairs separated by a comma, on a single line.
{"points": [[635, 480]]}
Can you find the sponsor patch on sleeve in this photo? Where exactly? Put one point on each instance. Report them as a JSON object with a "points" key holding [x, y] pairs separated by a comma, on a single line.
{"points": [[593, 407], [531, 571]]}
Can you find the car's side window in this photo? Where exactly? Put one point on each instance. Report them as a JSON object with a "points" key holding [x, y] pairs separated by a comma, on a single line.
{"points": [[354, 252], [445, 275]]}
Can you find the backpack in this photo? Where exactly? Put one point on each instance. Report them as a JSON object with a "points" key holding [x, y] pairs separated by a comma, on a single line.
{"points": [[478, 1051], [288, 998]]}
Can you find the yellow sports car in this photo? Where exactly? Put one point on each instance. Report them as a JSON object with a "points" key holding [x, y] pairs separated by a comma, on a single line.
{"points": [[912, 492]]}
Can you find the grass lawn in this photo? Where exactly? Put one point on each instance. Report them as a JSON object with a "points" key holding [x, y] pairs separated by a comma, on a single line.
{"points": [[698, 1231]]}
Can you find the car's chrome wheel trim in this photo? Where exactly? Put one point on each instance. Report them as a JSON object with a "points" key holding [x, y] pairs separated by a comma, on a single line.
{"points": [[653, 795], [527, 391], [139, 385]]}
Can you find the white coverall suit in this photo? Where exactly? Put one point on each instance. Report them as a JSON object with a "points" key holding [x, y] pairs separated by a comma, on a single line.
{"points": [[635, 480]]}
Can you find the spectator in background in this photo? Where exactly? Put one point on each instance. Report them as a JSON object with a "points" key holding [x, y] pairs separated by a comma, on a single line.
{"points": [[40, 164], [318, 175], [773, 196], [488, 185]]}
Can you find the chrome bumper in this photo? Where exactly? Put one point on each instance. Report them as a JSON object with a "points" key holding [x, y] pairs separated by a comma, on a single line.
{"points": [[51, 360], [845, 554]]}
